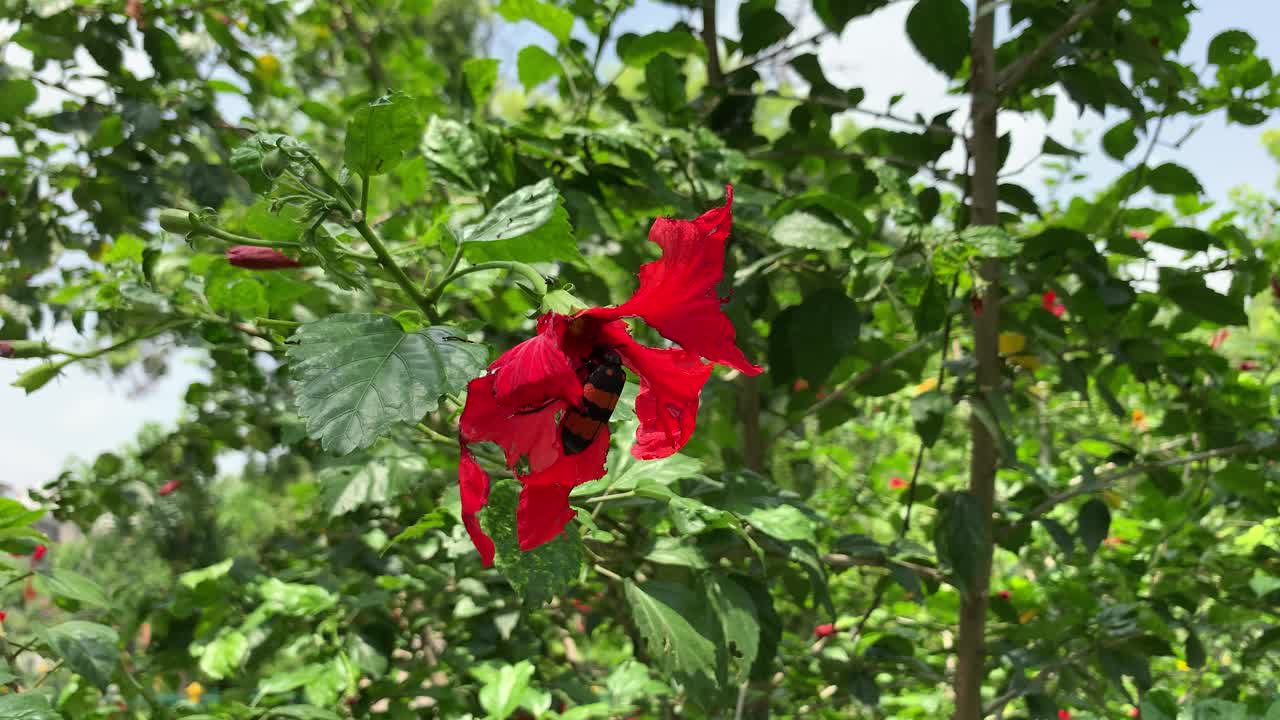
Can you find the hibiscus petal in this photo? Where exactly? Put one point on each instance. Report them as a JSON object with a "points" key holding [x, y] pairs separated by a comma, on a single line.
{"points": [[537, 369], [532, 435], [473, 487], [575, 469], [542, 514], [671, 381], [677, 293]]}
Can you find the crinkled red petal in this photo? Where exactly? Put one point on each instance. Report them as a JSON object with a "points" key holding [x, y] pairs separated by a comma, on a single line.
{"points": [[537, 369], [671, 381], [542, 514], [529, 434], [677, 293], [473, 487], [575, 469]]}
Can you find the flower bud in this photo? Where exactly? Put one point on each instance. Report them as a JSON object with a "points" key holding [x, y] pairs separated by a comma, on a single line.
{"points": [[24, 349], [825, 630], [177, 221], [170, 487], [251, 257], [37, 377], [274, 163]]}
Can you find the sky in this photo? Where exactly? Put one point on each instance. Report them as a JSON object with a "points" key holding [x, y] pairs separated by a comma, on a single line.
{"points": [[83, 413]]}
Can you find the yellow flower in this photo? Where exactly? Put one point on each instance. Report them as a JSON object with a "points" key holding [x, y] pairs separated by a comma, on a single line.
{"points": [[1030, 362], [1183, 666], [1027, 616], [268, 67], [194, 691], [926, 386], [1139, 419], [1012, 342]]}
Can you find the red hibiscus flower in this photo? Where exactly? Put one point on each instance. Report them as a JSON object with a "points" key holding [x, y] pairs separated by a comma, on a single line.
{"points": [[252, 257], [546, 401], [39, 553], [1049, 300], [825, 630], [897, 483], [169, 487], [1064, 715]]}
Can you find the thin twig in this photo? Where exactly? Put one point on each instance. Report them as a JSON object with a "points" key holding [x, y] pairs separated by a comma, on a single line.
{"points": [[715, 77], [816, 37], [1018, 71]]}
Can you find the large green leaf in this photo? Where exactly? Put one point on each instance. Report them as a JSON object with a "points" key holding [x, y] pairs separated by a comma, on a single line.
{"points": [[556, 20], [357, 375], [507, 688], [539, 574], [638, 50], [739, 628], [805, 230], [223, 656], [680, 636], [535, 66], [1189, 292], [827, 319], [1094, 524], [63, 583], [939, 29], [89, 649], [958, 538], [27, 706], [665, 83], [762, 25], [1173, 179], [456, 155], [380, 133], [529, 225]]}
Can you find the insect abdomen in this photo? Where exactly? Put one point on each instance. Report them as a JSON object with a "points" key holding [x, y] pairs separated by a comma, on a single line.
{"points": [[581, 424]]}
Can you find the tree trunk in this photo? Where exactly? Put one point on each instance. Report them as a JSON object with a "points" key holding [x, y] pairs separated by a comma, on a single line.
{"points": [[984, 149]]}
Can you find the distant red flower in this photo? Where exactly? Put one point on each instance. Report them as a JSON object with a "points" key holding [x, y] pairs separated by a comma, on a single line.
{"points": [[3, 616], [1248, 365], [1134, 712], [800, 385], [1218, 338], [897, 483], [822, 393], [39, 553], [170, 487], [1004, 594], [1139, 234], [1049, 300], [1064, 715], [251, 257], [975, 302], [29, 592], [536, 403], [581, 606], [825, 630], [6, 350]]}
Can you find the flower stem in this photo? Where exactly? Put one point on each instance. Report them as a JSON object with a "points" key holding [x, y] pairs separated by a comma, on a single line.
{"points": [[236, 239], [397, 272], [607, 572], [533, 276]]}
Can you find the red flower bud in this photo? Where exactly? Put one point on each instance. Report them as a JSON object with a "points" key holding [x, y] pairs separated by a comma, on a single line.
{"points": [[6, 350], [1049, 301], [975, 302], [39, 553], [1139, 234], [3, 615], [1134, 712], [1219, 338], [825, 630], [1248, 365], [1064, 715], [1004, 594], [251, 257], [897, 483], [170, 487], [800, 385]]}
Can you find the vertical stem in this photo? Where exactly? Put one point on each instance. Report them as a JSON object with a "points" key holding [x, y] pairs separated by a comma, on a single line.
{"points": [[715, 77], [984, 149], [749, 411], [364, 195]]}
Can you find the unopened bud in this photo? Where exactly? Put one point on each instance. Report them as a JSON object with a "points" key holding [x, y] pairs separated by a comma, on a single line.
{"points": [[177, 221], [24, 349], [251, 257]]}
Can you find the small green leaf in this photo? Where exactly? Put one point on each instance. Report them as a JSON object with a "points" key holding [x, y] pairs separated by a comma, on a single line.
{"points": [[638, 50], [455, 155], [539, 574], [929, 411], [665, 83], [1184, 238], [1231, 47], [89, 649], [506, 688], [1188, 291], [357, 375], [1120, 140], [761, 25], [529, 225], [555, 20], [380, 133], [224, 655], [931, 311], [1172, 179], [63, 583], [939, 30], [297, 599], [482, 75], [535, 66], [989, 241], [15, 95], [1094, 523], [804, 230], [679, 635], [739, 628], [437, 518], [959, 540]]}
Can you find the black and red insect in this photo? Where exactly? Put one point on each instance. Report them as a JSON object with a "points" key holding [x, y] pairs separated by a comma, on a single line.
{"points": [[603, 379]]}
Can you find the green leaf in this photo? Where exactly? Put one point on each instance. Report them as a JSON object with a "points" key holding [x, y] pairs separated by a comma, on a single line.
{"points": [[437, 518], [959, 540], [783, 522], [931, 311], [638, 50], [1231, 47], [678, 633], [301, 712], [247, 157], [357, 375], [835, 14], [1093, 524], [1184, 238], [1120, 140], [555, 20], [665, 84], [761, 25], [506, 689], [28, 705], [535, 66], [1194, 650], [529, 225], [929, 411], [482, 75], [297, 599], [455, 155], [14, 514], [89, 649], [15, 95], [193, 578], [380, 133], [539, 574], [63, 583], [989, 241], [739, 628], [346, 488], [126, 248], [294, 679], [1172, 179], [939, 29], [1188, 291], [1019, 197], [1053, 147], [224, 655], [804, 230], [829, 319]]}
